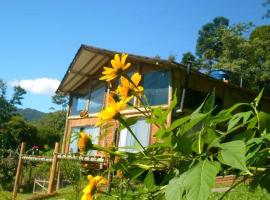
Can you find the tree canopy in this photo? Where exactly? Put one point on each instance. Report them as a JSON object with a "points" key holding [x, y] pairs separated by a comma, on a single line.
{"points": [[240, 49]]}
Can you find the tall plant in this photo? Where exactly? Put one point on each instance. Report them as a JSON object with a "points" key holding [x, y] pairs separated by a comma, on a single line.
{"points": [[192, 150]]}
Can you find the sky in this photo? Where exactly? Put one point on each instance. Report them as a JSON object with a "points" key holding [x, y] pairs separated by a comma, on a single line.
{"points": [[39, 39]]}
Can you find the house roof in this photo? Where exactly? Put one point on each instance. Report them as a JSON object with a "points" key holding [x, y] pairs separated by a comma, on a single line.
{"points": [[88, 60]]}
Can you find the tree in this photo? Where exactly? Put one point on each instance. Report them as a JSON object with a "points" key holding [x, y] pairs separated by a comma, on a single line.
{"points": [[50, 128], [16, 131], [235, 51], [267, 5], [60, 99], [172, 57], [6, 108], [3, 88], [209, 45], [18, 95], [189, 57], [260, 41]]}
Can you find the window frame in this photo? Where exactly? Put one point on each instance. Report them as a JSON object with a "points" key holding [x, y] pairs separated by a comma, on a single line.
{"points": [[85, 127], [72, 104], [123, 148], [94, 84], [169, 95]]}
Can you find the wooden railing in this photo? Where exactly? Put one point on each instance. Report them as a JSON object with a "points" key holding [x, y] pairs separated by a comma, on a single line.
{"points": [[54, 162]]}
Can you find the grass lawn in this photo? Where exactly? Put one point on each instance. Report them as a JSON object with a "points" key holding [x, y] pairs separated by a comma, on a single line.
{"points": [[8, 196], [240, 192]]}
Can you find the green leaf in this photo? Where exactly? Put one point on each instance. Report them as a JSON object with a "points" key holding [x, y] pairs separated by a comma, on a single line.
{"points": [[175, 189], [195, 119], [172, 104], [178, 123], [198, 144], [264, 120], [149, 180], [258, 98], [160, 133], [252, 152], [209, 103], [210, 135], [238, 117], [135, 173], [266, 136], [262, 180], [225, 115], [184, 144], [233, 154], [130, 121], [200, 180]]}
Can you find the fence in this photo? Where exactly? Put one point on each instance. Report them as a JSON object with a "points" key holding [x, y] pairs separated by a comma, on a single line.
{"points": [[54, 162]]}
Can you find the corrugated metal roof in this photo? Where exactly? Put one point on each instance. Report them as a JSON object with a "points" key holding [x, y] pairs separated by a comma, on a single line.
{"points": [[88, 60]]}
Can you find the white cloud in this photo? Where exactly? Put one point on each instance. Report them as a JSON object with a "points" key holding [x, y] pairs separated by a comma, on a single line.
{"points": [[46, 86]]}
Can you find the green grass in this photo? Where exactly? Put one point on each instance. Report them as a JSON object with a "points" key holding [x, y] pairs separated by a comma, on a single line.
{"points": [[241, 192], [8, 196]]}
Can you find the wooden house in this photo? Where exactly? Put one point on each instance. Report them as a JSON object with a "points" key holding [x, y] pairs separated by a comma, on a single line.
{"points": [[160, 79]]}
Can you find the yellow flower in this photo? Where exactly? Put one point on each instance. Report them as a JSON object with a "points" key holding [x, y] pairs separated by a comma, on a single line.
{"points": [[83, 141], [112, 110], [128, 89], [92, 188], [118, 66]]}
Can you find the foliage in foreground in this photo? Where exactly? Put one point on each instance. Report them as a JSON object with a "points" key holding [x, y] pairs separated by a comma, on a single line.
{"points": [[188, 154], [196, 148]]}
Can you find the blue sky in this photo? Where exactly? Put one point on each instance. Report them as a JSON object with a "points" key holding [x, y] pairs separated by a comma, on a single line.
{"points": [[40, 38]]}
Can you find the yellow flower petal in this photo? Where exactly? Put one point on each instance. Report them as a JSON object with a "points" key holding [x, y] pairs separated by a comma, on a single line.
{"points": [[126, 66], [118, 64], [136, 78], [123, 58]]}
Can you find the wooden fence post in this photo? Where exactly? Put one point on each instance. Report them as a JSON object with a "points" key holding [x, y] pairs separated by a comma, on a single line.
{"points": [[53, 169], [18, 173]]}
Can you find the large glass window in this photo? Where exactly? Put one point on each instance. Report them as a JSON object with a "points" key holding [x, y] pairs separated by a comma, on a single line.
{"points": [[78, 104], [156, 87], [142, 131], [93, 131], [96, 99]]}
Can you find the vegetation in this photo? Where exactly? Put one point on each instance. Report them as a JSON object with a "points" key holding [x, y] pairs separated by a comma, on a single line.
{"points": [[187, 155], [50, 128], [41, 134], [30, 114], [240, 49]]}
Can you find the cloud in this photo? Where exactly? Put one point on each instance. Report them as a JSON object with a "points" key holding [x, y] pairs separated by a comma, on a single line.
{"points": [[46, 86]]}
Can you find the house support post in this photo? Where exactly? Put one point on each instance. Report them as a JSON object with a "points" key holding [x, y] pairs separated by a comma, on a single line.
{"points": [[53, 169], [18, 173], [183, 96]]}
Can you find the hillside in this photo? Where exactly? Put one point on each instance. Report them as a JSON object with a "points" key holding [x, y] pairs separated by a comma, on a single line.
{"points": [[31, 114]]}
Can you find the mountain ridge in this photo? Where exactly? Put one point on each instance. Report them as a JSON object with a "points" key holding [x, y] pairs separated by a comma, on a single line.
{"points": [[30, 114]]}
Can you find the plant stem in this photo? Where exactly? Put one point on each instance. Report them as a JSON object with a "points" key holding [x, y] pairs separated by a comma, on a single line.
{"points": [[259, 169]]}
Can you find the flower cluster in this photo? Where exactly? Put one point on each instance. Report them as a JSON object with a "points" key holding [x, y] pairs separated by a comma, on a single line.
{"points": [[83, 142], [93, 187], [125, 91]]}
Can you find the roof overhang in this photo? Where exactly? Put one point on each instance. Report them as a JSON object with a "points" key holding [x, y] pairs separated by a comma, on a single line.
{"points": [[88, 60]]}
